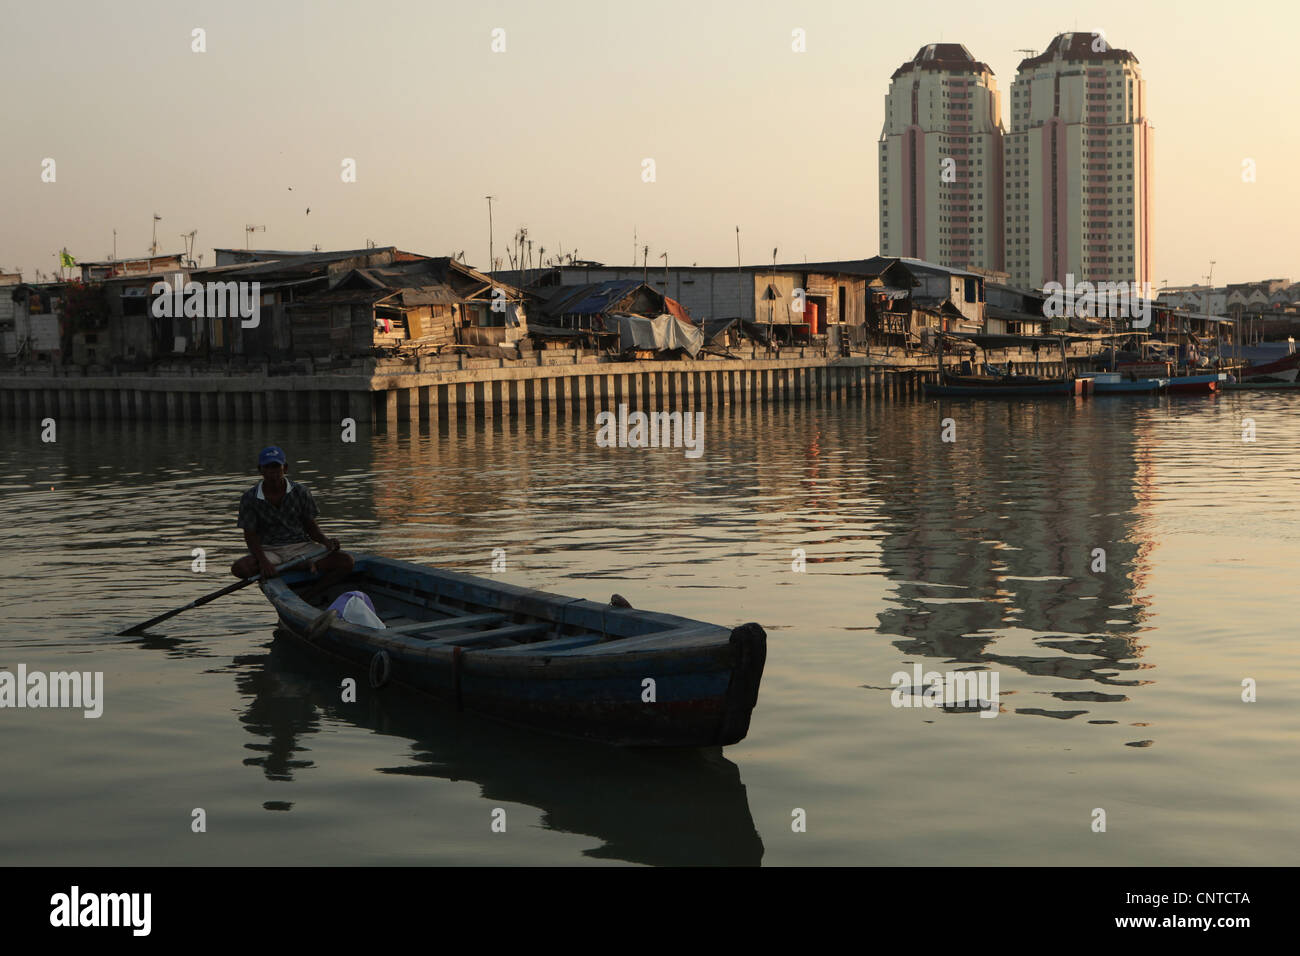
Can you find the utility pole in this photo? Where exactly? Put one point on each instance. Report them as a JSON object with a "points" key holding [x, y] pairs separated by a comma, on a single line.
{"points": [[664, 257], [771, 298], [645, 269], [153, 247], [1209, 289], [491, 260], [740, 298]]}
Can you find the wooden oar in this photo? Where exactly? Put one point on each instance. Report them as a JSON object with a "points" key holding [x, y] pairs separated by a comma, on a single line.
{"points": [[311, 556]]}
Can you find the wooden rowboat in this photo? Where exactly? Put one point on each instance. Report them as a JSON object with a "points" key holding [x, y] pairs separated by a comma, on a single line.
{"points": [[559, 664]]}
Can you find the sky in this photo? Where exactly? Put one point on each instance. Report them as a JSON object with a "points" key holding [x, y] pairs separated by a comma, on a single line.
{"points": [[742, 129]]}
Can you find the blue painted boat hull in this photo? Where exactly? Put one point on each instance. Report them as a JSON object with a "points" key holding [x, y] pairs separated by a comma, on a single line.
{"points": [[1208, 382], [583, 671]]}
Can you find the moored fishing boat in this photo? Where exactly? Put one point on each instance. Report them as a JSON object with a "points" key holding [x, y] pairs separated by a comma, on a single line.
{"points": [[1253, 384], [1113, 383], [1209, 382], [1271, 378], [952, 385], [560, 664], [996, 388], [1285, 364]]}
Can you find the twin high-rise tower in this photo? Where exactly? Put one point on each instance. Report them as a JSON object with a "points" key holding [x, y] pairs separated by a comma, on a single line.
{"points": [[1067, 191]]}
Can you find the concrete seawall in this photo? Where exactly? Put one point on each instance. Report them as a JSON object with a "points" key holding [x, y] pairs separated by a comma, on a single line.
{"points": [[390, 396]]}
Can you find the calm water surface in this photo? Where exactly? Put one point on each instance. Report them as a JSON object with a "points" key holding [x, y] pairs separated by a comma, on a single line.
{"points": [[1120, 689]]}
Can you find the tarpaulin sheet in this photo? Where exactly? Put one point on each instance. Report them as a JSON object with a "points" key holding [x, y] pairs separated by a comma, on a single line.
{"points": [[662, 333]]}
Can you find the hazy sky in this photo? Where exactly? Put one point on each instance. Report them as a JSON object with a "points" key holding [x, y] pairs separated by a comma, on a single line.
{"points": [[742, 130]]}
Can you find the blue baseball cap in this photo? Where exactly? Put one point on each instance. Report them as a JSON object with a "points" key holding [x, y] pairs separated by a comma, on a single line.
{"points": [[271, 453]]}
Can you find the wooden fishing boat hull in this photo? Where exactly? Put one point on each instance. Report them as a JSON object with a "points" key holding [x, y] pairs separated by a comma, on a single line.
{"points": [[1196, 383], [557, 664], [1142, 386], [947, 390], [1286, 363], [1262, 384], [1286, 375]]}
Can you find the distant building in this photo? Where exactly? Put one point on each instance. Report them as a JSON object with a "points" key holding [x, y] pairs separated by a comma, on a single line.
{"points": [[941, 161], [882, 300], [8, 338], [1195, 298], [145, 265], [37, 307], [760, 295], [409, 303], [1078, 166], [284, 279]]}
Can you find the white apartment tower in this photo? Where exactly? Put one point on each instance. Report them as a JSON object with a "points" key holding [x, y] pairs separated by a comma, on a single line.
{"points": [[1078, 166], [941, 175]]}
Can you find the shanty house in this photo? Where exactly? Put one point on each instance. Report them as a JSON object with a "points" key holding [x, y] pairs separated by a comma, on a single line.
{"points": [[36, 319], [430, 303], [605, 315]]}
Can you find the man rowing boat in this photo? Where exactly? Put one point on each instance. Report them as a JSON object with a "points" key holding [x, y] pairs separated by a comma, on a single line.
{"points": [[279, 522]]}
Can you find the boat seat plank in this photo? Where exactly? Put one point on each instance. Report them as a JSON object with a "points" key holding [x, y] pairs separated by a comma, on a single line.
{"points": [[420, 627], [398, 621], [514, 632], [414, 598], [559, 644]]}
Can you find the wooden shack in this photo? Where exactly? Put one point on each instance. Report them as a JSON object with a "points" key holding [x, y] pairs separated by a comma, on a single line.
{"points": [[432, 304]]}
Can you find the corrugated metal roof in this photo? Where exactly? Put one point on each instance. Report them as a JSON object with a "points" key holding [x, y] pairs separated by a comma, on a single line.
{"points": [[316, 262], [864, 268], [344, 297], [594, 299], [430, 295], [920, 265]]}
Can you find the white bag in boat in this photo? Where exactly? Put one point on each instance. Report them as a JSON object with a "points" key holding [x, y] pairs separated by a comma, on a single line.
{"points": [[355, 608]]}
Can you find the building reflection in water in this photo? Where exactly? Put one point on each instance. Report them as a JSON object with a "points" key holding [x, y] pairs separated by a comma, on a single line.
{"points": [[997, 544]]}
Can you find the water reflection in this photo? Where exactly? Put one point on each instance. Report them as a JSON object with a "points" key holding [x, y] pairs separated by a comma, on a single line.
{"points": [[1012, 550], [663, 808]]}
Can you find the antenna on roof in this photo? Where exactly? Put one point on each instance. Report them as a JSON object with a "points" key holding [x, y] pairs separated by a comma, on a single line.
{"points": [[188, 238], [249, 230]]}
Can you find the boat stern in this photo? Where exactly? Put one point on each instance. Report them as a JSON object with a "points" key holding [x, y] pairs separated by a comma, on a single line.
{"points": [[749, 645]]}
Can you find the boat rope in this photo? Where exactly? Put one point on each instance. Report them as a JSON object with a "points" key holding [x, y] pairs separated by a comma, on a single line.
{"points": [[381, 667]]}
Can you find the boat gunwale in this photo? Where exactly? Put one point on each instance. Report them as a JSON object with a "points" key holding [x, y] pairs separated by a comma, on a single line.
{"points": [[298, 614]]}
